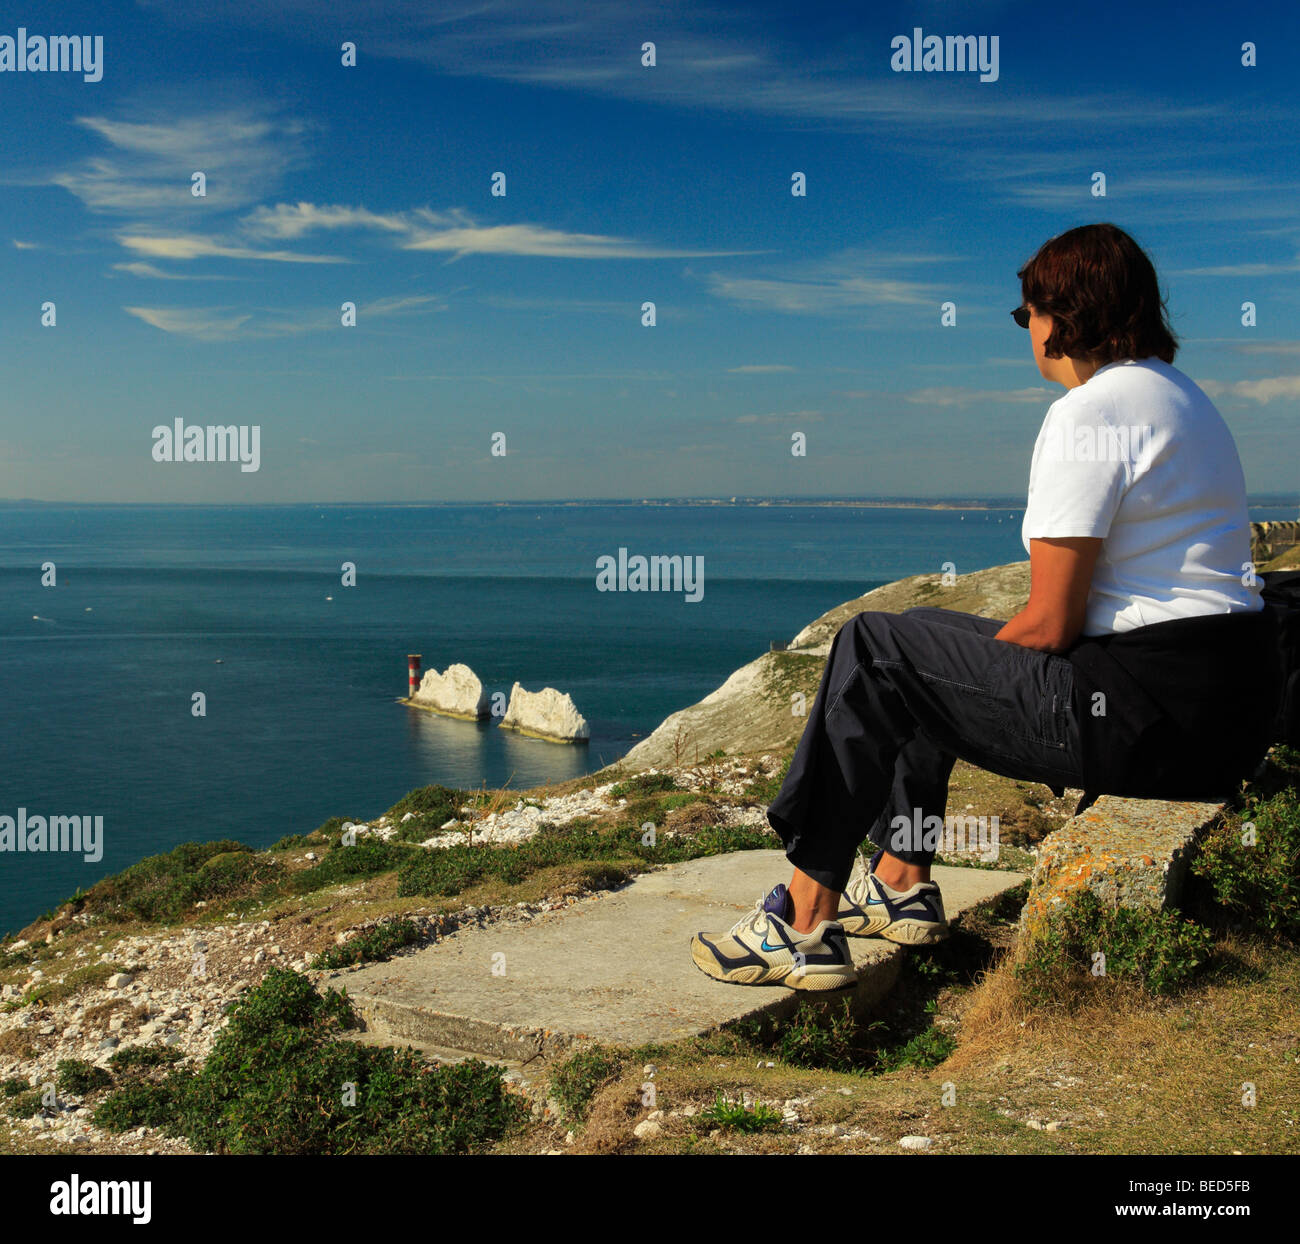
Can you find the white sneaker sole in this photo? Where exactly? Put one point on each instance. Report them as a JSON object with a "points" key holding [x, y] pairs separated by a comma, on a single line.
{"points": [[906, 932], [810, 979]]}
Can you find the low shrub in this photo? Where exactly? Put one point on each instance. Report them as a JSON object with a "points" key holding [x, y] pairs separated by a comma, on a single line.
{"points": [[580, 1076], [367, 857], [1160, 950], [432, 803], [740, 1118], [165, 887], [76, 1077], [371, 944], [24, 1105], [1251, 862], [643, 784], [282, 1079]]}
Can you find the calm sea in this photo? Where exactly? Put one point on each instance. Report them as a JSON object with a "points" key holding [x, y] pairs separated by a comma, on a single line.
{"points": [[301, 674]]}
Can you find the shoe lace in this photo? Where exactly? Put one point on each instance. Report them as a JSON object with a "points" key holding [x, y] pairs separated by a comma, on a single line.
{"points": [[750, 920]]}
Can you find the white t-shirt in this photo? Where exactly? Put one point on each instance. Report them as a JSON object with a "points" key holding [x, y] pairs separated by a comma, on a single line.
{"points": [[1141, 457]]}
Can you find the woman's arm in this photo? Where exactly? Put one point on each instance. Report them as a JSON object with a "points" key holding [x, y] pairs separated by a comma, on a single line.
{"points": [[1060, 574]]}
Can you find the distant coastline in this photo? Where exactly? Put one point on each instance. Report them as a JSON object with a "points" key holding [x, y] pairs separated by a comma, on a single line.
{"points": [[882, 503]]}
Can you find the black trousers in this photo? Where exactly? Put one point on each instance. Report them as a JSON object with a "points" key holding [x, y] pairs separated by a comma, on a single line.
{"points": [[903, 695]]}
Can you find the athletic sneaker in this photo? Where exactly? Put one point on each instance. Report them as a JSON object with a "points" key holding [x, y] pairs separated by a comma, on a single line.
{"points": [[871, 908], [762, 948]]}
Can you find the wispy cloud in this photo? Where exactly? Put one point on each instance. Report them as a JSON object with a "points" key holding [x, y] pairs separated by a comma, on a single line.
{"points": [[226, 324], [817, 296], [759, 369], [457, 232], [1242, 269], [287, 221], [784, 417], [201, 323], [151, 272], [192, 246], [847, 279], [957, 395], [242, 152], [722, 61], [1262, 391]]}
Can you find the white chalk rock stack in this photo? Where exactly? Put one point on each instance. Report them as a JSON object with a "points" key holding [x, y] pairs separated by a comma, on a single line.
{"points": [[457, 693], [545, 714]]}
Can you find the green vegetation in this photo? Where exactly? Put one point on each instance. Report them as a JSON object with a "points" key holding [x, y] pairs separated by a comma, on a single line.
{"points": [[619, 851], [372, 944], [365, 858], [24, 1105], [16, 958], [134, 1058], [76, 1077], [432, 807], [830, 1038], [643, 784], [927, 1049], [736, 1115], [580, 1076], [1251, 861], [765, 788], [164, 887], [682, 799], [140, 1104], [50, 992], [826, 1038], [1159, 949], [281, 1078]]}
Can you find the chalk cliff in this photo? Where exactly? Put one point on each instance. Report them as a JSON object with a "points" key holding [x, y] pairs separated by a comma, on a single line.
{"points": [[456, 693], [547, 714]]}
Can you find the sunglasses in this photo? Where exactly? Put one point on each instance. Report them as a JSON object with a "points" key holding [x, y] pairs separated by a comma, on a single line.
{"points": [[1021, 316]]}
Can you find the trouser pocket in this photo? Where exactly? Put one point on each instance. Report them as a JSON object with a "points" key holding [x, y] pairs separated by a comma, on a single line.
{"points": [[1033, 694]]}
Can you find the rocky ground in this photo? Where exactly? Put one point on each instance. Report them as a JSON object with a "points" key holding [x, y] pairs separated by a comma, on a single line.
{"points": [[520, 822], [171, 987]]}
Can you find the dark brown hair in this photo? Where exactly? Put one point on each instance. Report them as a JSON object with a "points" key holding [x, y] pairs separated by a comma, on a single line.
{"points": [[1101, 291]]}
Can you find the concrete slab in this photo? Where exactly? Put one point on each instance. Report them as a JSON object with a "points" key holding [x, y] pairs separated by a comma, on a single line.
{"points": [[614, 968], [1129, 852]]}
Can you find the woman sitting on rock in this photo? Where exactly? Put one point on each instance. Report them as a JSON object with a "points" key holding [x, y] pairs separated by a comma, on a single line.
{"points": [[1144, 663]]}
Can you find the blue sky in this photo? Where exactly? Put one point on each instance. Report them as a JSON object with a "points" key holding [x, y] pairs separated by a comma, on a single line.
{"points": [[624, 184]]}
